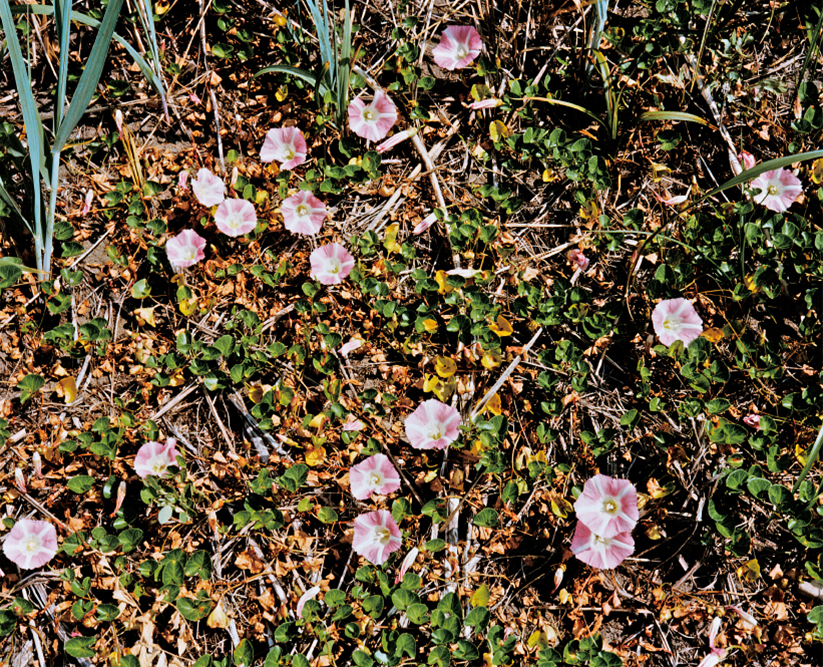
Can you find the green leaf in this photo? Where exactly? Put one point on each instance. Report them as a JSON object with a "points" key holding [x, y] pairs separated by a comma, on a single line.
{"points": [[78, 647], [9, 274], [80, 483], [140, 289], [132, 661], [479, 616], [294, 477], [405, 644], [244, 654], [717, 406], [107, 612], [418, 613], [194, 610], [466, 650], [28, 386], [362, 659], [486, 518], [300, 660], [273, 658], [435, 545], [402, 599], [440, 657], [199, 563], [373, 605], [327, 515], [334, 598], [630, 419]]}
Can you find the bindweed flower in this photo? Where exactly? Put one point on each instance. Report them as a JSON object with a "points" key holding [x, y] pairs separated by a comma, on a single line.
{"points": [[406, 564], [154, 458], [607, 506], [353, 424], [185, 249], [20, 480], [603, 553], [676, 319], [308, 595], [717, 654], [375, 474], [778, 189], [287, 145], [31, 543], [427, 222], [752, 420], [208, 188], [303, 213], [748, 618], [489, 103], [459, 46], [121, 496], [747, 160], [376, 536], [235, 217], [576, 257], [372, 121], [397, 138], [351, 346], [37, 462], [330, 264], [182, 180], [674, 201], [87, 202], [433, 425]]}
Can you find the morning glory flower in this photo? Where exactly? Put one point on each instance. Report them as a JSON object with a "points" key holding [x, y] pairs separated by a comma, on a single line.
{"points": [[303, 213], [208, 188], [30, 543], [376, 536], [372, 121], [601, 552], [375, 474], [459, 46], [778, 189], [331, 263], [676, 319], [235, 217], [185, 249], [433, 425], [154, 458], [607, 506], [287, 145]]}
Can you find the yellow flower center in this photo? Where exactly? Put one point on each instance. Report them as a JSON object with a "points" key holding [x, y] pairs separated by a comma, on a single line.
{"points": [[289, 154], [772, 189], [375, 479], [302, 210], [436, 433], [462, 52], [189, 253], [32, 544], [382, 535], [610, 507], [368, 114]]}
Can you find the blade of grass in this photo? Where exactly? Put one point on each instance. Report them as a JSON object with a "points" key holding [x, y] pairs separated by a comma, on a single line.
{"points": [[571, 105], [62, 14], [323, 28], [144, 11], [676, 115], [812, 46], [344, 70], [810, 461]]}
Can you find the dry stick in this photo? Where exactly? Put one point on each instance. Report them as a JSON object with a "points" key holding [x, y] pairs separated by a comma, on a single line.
{"points": [[211, 88], [173, 402], [223, 430]]}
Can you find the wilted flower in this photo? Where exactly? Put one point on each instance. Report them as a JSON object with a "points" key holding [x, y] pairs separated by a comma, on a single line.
{"points": [[331, 263], [676, 319], [372, 121], [87, 202], [489, 103], [375, 474], [778, 189], [235, 217], [746, 617], [353, 424], [576, 257], [376, 535], [37, 462], [674, 201], [351, 346], [406, 564], [303, 213], [308, 595], [182, 179], [607, 506], [427, 222], [747, 160], [752, 420], [717, 654], [433, 425], [287, 145], [208, 188], [397, 138], [154, 458], [185, 249], [20, 480], [603, 553], [121, 496], [31, 543], [459, 46]]}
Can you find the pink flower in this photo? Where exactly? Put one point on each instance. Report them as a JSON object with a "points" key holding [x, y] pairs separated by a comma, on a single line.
{"points": [[20, 480], [351, 346], [235, 217], [676, 319], [208, 188], [185, 249], [87, 203], [331, 263], [576, 257], [303, 213], [752, 420], [372, 121], [406, 564], [31, 543], [747, 160], [374, 475], [287, 145], [459, 46], [427, 222], [308, 595], [607, 506], [717, 654], [434, 425], [155, 459], [182, 177], [376, 535], [37, 462], [397, 138], [489, 103], [121, 496], [603, 553], [778, 189], [674, 201], [353, 424]]}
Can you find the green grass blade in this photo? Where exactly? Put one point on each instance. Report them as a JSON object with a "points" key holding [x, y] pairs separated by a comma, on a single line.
{"points": [[62, 17], [323, 28], [812, 46], [31, 119], [814, 454], [754, 172], [676, 115], [91, 75], [344, 70], [300, 73], [6, 197], [146, 14], [570, 105]]}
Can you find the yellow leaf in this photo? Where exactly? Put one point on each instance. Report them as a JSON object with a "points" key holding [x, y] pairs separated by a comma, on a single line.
{"points": [[218, 617], [502, 327], [491, 359], [444, 390], [445, 367], [430, 382], [494, 405], [713, 334], [440, 278], [498, 130], [653, 532], [659, 171], [177, 379], [261, 196], [281, 93], [391, 243], [315, 456], [561, 507], [430, 476], [657, 491], [258, 391], [318, 421], [68, 387], [187, 306], [750, 572], [480, 92], [160, 8], [477, 448], [748, 281], [430, 325], [537, 638], [146, 315], [817, 171], [549, 175], [565, 596], [800, 454], [480, 598]]}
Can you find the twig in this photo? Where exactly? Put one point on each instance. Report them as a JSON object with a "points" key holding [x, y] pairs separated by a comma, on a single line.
{"points": [[210, 87]]}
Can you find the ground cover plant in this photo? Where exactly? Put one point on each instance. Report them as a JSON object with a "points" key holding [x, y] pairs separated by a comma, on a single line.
{"points": [[411, 334]]}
